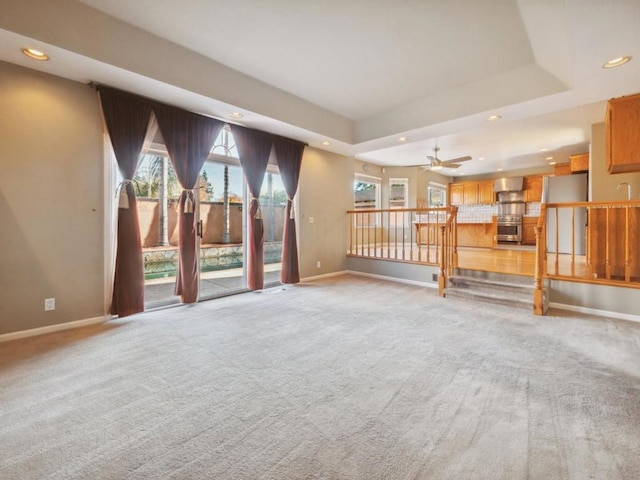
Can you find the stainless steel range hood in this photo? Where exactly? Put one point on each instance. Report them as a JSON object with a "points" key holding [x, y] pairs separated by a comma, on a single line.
{"points": [[510, 184]]}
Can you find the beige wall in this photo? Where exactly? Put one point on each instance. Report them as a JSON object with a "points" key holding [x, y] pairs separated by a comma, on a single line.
{"points": [[51, 149], [325, 193], [602, 185]]}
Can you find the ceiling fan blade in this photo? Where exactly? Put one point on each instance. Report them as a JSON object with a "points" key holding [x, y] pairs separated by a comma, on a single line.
{"points": [[459, 159], [420, 165], [450, 165]]}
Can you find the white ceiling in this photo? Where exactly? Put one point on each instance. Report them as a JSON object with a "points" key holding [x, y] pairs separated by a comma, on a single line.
{"points": [[359, 73]]}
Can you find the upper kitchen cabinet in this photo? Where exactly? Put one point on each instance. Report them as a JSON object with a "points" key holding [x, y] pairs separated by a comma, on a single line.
{"points": [[562, 169], [472, 193], [579, 163], [456, 194], [623, 134], [532, 187], [486, 194]]}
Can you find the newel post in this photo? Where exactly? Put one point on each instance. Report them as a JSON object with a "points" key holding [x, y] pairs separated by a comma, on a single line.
{"points": [[539, 305], [442, 279]]}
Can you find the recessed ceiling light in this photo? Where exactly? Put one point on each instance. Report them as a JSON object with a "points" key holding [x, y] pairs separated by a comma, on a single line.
{"points": [[326, 143], [500, 169], [236, 115], [544, 149], [552, 163], [493, 118], [481, 158], [549, 158], [616, 62], [402, 139], [35, 54]]}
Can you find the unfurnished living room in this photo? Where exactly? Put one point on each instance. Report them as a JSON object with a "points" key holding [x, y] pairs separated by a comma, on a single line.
{"points": [[333, 240]]}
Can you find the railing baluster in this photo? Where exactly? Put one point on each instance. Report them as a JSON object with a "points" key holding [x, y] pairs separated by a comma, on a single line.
{"points": [[573, 241], [590, 226], [369, 235], [607, 260], [390, 254], [557, 243], [410, 236], [627, 260]]}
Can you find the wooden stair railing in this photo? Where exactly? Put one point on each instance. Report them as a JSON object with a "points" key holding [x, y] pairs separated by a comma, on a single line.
{"points": [[539, 304], [449, 251]]}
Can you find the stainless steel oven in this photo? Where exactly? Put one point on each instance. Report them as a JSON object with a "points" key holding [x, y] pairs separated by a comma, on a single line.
{"points": [[509, 228]]}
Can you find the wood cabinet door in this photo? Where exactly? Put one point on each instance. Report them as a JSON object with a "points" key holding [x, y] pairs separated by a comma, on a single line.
{"points": [[562, 169], [456, 196], [486, 194], [623, 134], [529, 230], [533, 188], [470, 193], [579, 162]]}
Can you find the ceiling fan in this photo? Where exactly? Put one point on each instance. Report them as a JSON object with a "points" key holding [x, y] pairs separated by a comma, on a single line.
{"points": [[436, 164]]}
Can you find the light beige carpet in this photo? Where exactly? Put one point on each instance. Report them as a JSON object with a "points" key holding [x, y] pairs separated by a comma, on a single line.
{"points": [[345, 378]]}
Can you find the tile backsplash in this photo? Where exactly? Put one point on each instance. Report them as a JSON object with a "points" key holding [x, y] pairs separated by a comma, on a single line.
{"points": [[484, 213], [476, 213], [532, 209]]}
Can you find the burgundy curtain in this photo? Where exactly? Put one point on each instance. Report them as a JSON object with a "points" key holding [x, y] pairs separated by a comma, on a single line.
{"points": [[189, 138], [126, 117], [254, 148], [289, 155]]}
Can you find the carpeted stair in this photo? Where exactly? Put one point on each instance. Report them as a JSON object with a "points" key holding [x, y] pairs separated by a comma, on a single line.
{"points": [[502, 288]]}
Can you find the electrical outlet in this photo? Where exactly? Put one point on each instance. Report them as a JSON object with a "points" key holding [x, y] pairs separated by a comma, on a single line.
{"points": [[312, 220], [49, 304], [318, 264]]}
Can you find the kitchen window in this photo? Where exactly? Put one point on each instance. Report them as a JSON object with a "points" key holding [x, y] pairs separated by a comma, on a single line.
{"points": [[436, 195], [366, 191]]}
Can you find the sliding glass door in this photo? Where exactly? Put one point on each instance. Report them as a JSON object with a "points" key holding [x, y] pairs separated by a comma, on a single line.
{"points": [[273, 202], [157, 191], [221, 228]]}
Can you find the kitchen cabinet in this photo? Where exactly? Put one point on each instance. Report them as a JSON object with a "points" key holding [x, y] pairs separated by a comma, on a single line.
{"points": [[532, 187], [486, 195], [472, 193], [562, 169], [427, 234], [579, 163], [623, 134], [528, 230], [475, 235], [456, 194]]}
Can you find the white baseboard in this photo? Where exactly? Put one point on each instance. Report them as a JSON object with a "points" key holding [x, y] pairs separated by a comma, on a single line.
{"points": [[326, 275], [53, 328], [595, 311], [371, 275], [394, 279]]}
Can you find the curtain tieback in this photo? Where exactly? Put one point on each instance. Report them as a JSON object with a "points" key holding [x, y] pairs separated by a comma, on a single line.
{"points": [[258, 215], [189, 202], [291, 210], [123, 197]]}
